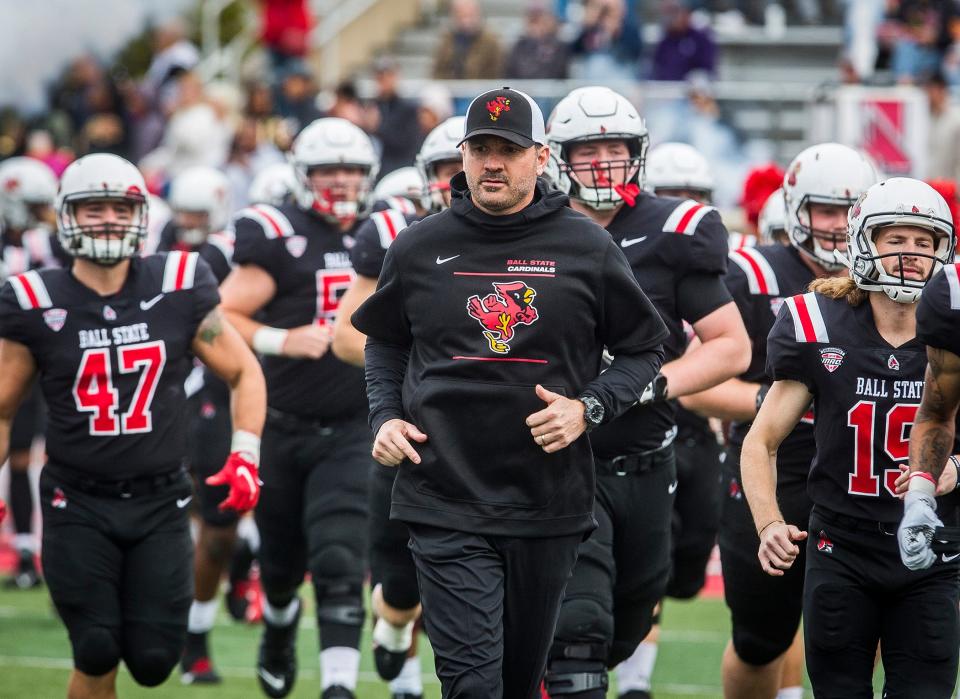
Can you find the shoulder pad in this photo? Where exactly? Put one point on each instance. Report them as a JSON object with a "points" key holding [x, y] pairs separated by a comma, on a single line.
{"points": [[224, 242], [741, 240], [761, 279], [178, 271], [953, 281], [808, 325], [274, 222], [401, 204], [389, 223], [31, 291], [686, 217]]}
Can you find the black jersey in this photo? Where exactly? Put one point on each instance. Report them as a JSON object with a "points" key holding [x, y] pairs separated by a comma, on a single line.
{"points": [[759, 279], [216, 251], [938, 314], [374, 237], [666, 241], [309, 261], [866, 395], [36, 249], [112, 367]]}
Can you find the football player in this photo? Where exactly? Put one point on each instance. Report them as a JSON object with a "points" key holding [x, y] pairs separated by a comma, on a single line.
{"points": [[293, 266], [850, 346], [772, 223], [199, 198], [272, 185], [678, 251], [402, 190], [396, 597], [27, 192], [820, 185], [106, 338]]}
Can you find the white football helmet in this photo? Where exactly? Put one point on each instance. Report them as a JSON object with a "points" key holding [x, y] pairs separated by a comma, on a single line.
{"points": [[827, 173], [678, 166], [773, 217], [440, 145], [899, 201], [272, 185], [201, 190], [595, 114], [332, 141], [26, 184], [404, 182], [101, 176]]}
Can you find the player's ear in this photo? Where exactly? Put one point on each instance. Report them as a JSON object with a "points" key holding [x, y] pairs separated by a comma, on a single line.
{"points": [[543, 155]]}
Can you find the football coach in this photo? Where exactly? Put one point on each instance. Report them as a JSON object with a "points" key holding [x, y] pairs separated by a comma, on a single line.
{"points": [[483, 358]]}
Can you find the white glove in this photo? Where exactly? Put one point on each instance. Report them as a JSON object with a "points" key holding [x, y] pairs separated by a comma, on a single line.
{"points": [[916, 529]]}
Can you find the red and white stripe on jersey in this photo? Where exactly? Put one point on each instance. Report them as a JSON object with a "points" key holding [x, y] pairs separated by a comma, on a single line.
{"points": [[271, 220], [951, 272], [401, 204], [179, 270], [686, 217], [224, 242], [31, 291], [808, 325], [389, 223], [761, 279], [741, 240]]}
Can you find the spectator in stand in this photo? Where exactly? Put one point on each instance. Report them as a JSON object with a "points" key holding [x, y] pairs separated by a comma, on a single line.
{"points": [[609, 44], [285, 32], [271, 128], [297, 99], [943, 137], [173, 55], [249, 154], [684, 48], [392, 119], [40, 145], [436, 106], [918, 33], [347, 105], [468, 50], [539, 52]]}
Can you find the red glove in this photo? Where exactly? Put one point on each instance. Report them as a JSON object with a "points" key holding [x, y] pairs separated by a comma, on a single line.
{"points": [[3, 510], [240, 473]]}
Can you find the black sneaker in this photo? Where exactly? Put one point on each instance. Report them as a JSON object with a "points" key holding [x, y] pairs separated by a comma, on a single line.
{"points": [[26, 577], [277, 659], [636, 694], [405, 695], [195, 665], [337, 691]]}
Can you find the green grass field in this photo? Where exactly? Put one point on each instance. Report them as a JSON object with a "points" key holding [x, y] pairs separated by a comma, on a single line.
{"points": [[35, 656]]}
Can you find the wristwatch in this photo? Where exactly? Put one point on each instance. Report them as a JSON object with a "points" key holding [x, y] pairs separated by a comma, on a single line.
{"points": [[593, 412]]}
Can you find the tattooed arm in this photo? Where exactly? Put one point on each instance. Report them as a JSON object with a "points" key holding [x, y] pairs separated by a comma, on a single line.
{"points": [[220, 347], [931, 440]]}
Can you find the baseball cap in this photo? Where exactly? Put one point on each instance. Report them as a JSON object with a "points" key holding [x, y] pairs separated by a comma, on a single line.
{"points": [[506, 113]]}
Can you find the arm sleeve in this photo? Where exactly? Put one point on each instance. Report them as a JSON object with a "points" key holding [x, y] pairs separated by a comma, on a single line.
{"points": [[383, 315], [13, 319], [936, 319], [385, 365], [700, 294], [619, 387], [785, 356]]}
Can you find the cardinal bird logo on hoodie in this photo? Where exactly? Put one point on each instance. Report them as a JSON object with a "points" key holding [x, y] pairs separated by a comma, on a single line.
{"points": [[499, 313]]}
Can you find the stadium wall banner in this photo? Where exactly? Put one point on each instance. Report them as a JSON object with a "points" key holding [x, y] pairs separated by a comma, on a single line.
{"points": [[889, 124]]}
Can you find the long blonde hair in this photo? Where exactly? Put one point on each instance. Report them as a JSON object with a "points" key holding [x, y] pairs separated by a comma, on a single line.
{"points": [[839, 288]]}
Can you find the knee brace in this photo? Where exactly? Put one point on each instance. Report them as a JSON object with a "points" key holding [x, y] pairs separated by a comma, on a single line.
{"points": [[96, 651], [400, 590], [151, 665], [759, 648], [585, 678], [583, 621], [336, 567]]}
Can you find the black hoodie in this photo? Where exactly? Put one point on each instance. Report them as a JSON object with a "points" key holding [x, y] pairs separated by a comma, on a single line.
{"points": [[487, 307]]}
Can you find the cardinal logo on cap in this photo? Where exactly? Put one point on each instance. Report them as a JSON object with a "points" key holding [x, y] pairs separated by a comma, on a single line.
{"points": [[498, 106]]}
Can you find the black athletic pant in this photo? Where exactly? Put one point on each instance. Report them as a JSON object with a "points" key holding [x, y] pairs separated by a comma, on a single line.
{"points": [[857, 594], [490, 606], [391, 564], [28, 423]]}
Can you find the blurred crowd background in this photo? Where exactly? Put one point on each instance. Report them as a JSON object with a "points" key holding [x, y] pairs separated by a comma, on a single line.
{"points": [[170, 84]]}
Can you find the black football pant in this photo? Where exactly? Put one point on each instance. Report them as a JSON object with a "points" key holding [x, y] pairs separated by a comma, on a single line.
{"points": [[120, 571], [764, 610], [490, 606], [391, 564], [312, 515], [696, 510], [620, 575], [858, 593], [210, 433], [28, 423]]}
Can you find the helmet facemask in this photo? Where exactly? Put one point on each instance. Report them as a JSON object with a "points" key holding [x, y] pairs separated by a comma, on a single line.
{"points": [[105, 244], [808, 240], [339, 207], [613, 181]]}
